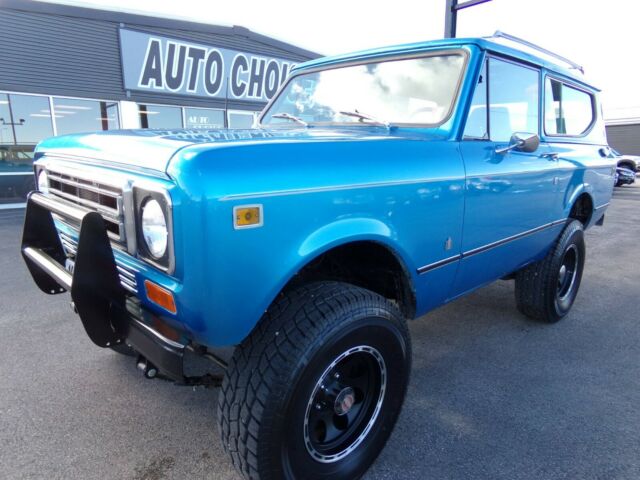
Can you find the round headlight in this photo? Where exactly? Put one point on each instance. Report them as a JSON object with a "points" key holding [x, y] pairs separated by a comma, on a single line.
{"points": [[154, 228], [43, 181]]}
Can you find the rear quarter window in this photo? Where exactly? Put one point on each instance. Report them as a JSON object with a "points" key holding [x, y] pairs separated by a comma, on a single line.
{"points": [[568, 110]]}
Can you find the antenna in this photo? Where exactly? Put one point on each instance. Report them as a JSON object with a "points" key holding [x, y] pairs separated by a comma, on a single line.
{"points": [[512, 38]]}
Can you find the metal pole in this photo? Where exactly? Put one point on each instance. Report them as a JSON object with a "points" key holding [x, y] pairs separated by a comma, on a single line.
{"points": [[451, 15], [450, 19]]}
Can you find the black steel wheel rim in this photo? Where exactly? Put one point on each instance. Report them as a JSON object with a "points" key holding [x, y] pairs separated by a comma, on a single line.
{"points": [[567, 275], [345, 403]]}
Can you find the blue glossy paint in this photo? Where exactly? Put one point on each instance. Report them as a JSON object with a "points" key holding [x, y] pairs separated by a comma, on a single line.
{"points": [[424, 193]]}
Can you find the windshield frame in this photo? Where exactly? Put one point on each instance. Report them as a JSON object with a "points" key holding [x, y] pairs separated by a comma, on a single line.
{"points": [[464, 53]]}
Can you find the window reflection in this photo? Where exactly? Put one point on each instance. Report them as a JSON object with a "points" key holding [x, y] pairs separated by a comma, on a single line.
{"points": [[24, 121], [568, 111], [204, 118], [476, 127], [417, 90], [513, 97], [160, 116], [74, 116], [241, 119]]}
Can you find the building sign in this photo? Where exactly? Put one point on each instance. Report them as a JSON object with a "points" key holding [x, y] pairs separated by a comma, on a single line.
{"points": [[160, 64]]}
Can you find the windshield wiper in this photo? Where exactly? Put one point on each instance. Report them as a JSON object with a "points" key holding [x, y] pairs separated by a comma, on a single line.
{"points": [[288, 116], [364, 116]]}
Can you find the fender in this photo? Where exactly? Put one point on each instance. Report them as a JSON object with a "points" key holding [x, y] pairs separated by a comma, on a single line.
{"points": [[342, 232]]}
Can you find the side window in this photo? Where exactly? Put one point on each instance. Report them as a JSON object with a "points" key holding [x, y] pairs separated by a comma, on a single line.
{"points": [[476, 127], [513, 99], [567, 110]]}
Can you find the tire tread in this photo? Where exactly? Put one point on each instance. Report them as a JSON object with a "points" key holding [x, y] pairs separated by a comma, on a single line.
{"points": [[258, 368]]}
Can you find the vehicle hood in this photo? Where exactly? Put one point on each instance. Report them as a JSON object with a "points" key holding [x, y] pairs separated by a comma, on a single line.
{"points": [[152, 150]]}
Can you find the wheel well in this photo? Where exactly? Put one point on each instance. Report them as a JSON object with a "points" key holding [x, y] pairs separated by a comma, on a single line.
{"points": [[582, 209], [628, 165], [366, 264]]}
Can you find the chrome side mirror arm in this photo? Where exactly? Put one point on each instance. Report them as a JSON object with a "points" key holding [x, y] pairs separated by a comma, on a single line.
{"points": [[522, 142]]}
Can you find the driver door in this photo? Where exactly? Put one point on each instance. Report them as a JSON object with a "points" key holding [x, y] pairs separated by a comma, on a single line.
{"points": [[509, 196]]}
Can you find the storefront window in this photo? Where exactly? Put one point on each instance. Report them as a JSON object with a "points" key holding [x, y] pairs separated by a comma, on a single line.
{"points": [[74, 116], [24, 121], [160, 116], [240, 119], [204, 118]]}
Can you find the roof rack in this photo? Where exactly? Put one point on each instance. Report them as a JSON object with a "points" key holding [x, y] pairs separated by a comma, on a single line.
{"points": [[512, 38]]}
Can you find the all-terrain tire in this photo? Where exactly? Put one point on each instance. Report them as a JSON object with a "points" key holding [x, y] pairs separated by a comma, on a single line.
{"points": [[545, 290], [272, 408]]}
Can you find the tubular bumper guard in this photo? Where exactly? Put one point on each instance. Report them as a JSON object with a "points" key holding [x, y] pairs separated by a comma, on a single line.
{"points": [[110, 317]]}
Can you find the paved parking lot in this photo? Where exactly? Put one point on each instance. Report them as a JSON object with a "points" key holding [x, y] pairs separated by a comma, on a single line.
{"points": [[492, 396]]}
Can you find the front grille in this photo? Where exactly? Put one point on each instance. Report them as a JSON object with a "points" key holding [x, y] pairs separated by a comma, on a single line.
{"points": [[127, 275], [94, 196]]}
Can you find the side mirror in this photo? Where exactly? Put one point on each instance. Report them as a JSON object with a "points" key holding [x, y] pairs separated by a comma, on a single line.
{"points": [[521, 142]]}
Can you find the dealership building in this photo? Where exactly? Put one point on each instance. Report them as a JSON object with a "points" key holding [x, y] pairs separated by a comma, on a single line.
{"points": [[624, 135], [67, 69]]}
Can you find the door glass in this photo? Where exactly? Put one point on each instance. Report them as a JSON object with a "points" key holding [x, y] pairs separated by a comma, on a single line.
{"points": [[204, 118], [567, 111], [74, 116], [476, 127], [160, 116], [24, 121], [513, 99]]}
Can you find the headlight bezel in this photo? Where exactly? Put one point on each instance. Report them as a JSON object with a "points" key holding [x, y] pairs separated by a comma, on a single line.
{"points": [[39, 173], [142, 195]]}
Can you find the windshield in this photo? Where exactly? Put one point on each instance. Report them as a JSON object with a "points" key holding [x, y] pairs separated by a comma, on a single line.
{"points": [[402, 91]]}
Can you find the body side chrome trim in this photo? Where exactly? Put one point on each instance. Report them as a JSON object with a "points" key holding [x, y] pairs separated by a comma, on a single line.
{"points": [[517, 236], [489, 246], [439, 263]]}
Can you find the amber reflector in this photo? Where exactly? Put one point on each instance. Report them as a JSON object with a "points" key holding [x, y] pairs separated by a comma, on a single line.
{"points": [[246, 216], [160, 296]]}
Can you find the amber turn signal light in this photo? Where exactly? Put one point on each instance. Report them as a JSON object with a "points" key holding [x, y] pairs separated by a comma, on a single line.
{"points": [[160, 296], [247, 216]]}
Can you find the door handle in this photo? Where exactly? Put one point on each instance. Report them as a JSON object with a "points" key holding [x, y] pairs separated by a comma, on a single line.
{"points": [[551, 156]]}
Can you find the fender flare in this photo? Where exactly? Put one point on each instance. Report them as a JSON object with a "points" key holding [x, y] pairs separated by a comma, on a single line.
{"points": [[575, 194], [343, 232]]}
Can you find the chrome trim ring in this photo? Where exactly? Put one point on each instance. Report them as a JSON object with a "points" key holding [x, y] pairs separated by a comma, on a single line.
{"points": [[320, 387]]}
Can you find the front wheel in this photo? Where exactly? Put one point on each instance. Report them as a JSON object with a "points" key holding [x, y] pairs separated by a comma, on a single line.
{"points": [[546, 290], [315, 390]]}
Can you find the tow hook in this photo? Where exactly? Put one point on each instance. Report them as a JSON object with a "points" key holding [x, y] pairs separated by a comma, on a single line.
{"points": [[147, 368]]}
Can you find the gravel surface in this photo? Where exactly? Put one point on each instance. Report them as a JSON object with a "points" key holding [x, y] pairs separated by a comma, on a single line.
{"points": [[492, 395]]}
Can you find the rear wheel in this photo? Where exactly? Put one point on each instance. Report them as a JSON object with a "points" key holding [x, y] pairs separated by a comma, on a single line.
{"points": [[546, 290], [315, 390]]}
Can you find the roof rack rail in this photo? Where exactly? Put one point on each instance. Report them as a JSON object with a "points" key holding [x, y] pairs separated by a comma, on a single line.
{"points": [[512, 38]]}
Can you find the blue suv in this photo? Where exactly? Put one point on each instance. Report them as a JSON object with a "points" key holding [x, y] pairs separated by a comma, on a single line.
{"points": [[376, 187]]}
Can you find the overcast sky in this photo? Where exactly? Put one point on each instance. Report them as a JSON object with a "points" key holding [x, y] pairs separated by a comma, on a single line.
{"points": [[601, 35]]}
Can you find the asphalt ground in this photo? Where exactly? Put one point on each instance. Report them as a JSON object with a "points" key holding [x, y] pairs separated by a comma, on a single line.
{"points": [[492, 395]]}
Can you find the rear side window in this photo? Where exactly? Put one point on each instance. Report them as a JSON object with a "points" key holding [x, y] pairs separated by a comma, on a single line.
{"points": [[568, 111]]}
